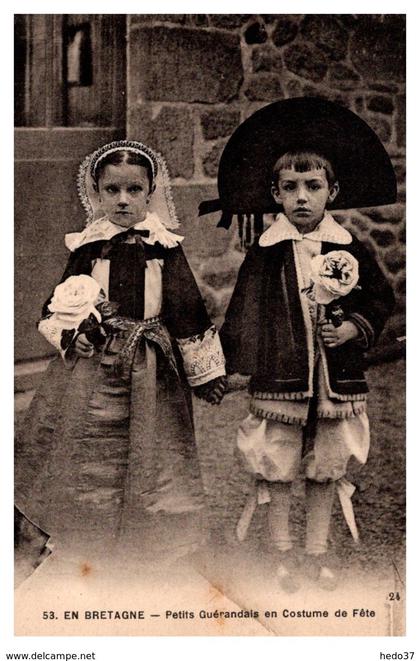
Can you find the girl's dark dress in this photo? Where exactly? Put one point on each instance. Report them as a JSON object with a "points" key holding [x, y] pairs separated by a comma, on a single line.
{"points": [[109, 461]]}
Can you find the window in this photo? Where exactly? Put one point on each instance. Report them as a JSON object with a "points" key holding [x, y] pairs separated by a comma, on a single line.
{"points": [[70, 70]]}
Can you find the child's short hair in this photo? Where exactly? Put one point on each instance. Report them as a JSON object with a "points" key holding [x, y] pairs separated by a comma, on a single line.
{"points": [[303, 161]]}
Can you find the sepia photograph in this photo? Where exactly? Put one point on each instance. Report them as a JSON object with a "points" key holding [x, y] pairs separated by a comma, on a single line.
{"points": [[209, 348]]}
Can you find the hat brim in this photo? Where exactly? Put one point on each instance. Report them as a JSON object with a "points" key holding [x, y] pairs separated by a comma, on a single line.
{"points": [[362, 166]]}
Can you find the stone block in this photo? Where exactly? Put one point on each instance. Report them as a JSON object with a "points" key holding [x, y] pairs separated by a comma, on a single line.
{"points": [[377, 48], [399, 311], [397, 325], [395, 260], [263, 87], [212, 159], [256, 33], [381, 103], [201, 20], [401, 194], [269, 18], [184, 64], [224, 303], [221, 279], [381, 126], [327, 33], [180, 19], [203, 239], [400, 285], [330, 95], [387, 88], [216, 301], [219, 122], [220, 272], [383, 237], [211, 301], [360, 223], [294, 88], [359, 105], [266, 59], [402, 235], [229, 21], [307, 61], [285, 31], [173, 18], [343, 76], [400, 121], [349, 21], [170, 132], [400, 171], [390, 213]]}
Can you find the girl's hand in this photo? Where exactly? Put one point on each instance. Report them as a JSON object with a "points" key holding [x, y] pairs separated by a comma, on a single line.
{"points": [[218, 390], [83, 347], [335, 336], [213, 391]]}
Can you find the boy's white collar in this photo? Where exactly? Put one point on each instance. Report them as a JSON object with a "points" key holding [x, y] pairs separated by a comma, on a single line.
{"points": [[282, 230], [103, 230]]}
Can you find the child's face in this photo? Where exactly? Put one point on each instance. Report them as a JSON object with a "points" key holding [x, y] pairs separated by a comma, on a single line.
{"points": [[124, 191], [304, 196]]}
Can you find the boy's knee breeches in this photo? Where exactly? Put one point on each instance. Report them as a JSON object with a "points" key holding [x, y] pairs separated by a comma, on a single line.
{"points": [[272, 450]]}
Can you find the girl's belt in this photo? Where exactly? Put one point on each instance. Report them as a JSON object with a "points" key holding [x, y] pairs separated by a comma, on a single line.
{"points": [[151, 329]]}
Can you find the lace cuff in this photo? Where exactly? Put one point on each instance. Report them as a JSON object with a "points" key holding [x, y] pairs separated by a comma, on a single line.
{"points": [[202, 356], [52, 329]]}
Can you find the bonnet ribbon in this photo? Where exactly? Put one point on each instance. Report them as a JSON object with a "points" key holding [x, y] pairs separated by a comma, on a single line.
{"points": [[121, 238]]}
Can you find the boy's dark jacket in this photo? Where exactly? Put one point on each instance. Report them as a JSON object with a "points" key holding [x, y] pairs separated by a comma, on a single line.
{"points": [[264, 333]]}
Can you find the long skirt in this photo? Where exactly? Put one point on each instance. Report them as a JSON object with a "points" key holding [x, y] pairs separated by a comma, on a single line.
{"points": [[108, 464]]}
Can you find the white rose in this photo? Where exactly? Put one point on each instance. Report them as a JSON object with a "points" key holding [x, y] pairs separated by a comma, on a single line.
{"points": [[333, 275], [74, 300]]}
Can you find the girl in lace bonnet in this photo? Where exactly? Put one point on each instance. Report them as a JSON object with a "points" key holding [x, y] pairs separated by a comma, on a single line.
{"points": [[108, 465]]}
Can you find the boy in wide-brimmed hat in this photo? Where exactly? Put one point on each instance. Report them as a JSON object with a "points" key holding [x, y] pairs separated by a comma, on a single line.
{"points": [[309, 300]]}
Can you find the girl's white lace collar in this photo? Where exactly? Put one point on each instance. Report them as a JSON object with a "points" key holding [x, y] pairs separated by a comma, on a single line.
{"points": [[327, 230], [103, 230]]}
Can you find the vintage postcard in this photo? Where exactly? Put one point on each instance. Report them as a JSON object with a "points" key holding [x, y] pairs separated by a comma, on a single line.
{"points": [[210, 325]]}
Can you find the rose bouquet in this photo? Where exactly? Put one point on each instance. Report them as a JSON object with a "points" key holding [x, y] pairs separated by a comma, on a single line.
{"points": [[79, 306], [333, 275]]}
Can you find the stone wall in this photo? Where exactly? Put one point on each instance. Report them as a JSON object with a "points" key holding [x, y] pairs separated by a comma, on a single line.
{"points": [[193, 78]]}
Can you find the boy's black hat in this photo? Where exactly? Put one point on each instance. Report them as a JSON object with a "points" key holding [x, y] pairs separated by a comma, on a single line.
{"points": [[361, 164]]}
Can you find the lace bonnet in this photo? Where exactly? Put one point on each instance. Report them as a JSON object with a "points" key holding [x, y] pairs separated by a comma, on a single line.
{"points": [[161, 202]]}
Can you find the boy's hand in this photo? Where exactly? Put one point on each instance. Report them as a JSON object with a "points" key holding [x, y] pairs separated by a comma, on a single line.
{"points": [[83, 347], [237, 381], [335, 336]]}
